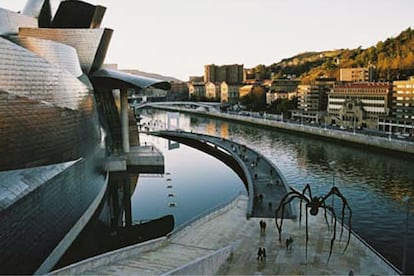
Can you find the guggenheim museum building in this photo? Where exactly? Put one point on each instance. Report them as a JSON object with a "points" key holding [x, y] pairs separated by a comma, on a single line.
{"points": [[59, 121]]}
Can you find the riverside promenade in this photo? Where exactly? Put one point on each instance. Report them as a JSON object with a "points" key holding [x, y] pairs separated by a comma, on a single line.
{"points": [[225, 241], [375, 142]]}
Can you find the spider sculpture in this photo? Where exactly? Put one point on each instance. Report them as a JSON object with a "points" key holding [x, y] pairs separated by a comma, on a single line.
{"points": [[314, 203]]}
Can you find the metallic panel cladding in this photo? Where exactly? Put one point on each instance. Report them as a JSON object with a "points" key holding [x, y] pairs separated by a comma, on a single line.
{"points": [[91, 44], [34, 8], [46, 114], [116, 79], [78, 14], [11, 21], [34, 226], [62, 55]]}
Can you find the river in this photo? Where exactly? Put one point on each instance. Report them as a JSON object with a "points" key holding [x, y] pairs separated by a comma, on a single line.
{"points": [[374, 183]]}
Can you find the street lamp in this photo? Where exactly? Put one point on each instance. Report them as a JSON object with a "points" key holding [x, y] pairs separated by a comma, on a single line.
{"points": [[354, 126], [406, 200], [389, 133]]}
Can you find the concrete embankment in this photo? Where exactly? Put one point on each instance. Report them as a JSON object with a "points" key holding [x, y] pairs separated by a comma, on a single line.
{"points": [[379, 143]]}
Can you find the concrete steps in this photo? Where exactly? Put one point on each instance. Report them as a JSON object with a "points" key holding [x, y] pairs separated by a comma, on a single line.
{"points": [[155, 262]]}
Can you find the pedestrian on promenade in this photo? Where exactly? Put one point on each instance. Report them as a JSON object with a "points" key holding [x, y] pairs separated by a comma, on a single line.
{"points": [[261, 254], [261, 198], [262, 224], [289, 242]]}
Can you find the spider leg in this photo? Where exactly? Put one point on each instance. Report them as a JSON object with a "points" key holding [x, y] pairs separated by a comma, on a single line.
{"points": [[286, 200], [307, 188], [326, 217], [335, 192], [334, 231], [307, 235]]}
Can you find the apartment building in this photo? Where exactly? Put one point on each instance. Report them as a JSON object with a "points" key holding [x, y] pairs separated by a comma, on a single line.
{"points": [[273, 96], [312, 100], [229, 73], [281, 89], [360, 74], [196, 90], [401, 119], [212, 90], [229, 93]]}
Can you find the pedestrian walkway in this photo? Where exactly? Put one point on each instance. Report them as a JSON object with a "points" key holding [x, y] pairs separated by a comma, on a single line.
{"points": [[233, 228], [268, 184]]}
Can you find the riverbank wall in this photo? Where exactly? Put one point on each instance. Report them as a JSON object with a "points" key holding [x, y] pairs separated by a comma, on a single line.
{"points": [[356, 139]]}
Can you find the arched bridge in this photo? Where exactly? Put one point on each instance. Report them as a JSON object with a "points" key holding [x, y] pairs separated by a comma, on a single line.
{"points": [[264, 182]]}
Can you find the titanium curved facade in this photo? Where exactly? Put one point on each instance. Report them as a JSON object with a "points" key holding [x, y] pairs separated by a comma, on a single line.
{"points": [[11, 21], [62, 55], [33, 77], [90, 44], [34, 8], [78, 14], [117, 79], [51, 146]]}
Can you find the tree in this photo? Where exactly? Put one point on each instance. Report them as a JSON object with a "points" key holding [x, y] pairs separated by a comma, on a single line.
{"points": [[282, 106], [254, 101]]}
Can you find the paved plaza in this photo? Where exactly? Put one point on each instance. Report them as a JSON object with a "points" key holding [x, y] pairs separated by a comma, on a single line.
{"points": [[232, 228]]}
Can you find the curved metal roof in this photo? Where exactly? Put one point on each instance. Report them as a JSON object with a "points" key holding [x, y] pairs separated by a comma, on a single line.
{"points": [[117, 79]]}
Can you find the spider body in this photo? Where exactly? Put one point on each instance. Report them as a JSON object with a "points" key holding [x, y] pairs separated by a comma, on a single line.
{"points": [[314, 204]]}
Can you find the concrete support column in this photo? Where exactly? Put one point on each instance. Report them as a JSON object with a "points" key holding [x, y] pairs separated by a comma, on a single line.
{"points": [[127, 201], [124, 120]]}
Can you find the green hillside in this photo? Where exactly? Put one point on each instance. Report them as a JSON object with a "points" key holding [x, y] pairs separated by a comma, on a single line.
{"points": [[393, 58]]}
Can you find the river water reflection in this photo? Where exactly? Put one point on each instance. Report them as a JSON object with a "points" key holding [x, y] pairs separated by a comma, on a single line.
{"points": [[374, 183], [193, 183]]}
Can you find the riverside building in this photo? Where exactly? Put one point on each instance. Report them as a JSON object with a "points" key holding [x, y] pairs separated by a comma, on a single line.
{"points": [[360, 74], [401, 119], [229, 93], [312, 100], [359, 104]]}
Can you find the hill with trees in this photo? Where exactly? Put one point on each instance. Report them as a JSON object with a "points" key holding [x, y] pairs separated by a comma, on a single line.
{"points": [[393, 59]]}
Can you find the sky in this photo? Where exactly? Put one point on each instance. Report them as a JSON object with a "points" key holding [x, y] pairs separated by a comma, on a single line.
{"points": [[178, 37]]}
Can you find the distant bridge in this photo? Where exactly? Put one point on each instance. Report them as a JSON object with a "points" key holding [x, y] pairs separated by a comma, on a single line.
{"points": [[208, 106]]}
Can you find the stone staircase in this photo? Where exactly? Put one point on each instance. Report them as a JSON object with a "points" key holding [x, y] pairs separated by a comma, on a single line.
{"points": [[156, 262]]}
